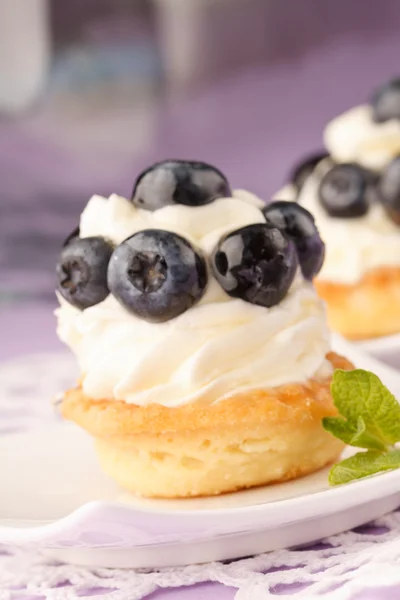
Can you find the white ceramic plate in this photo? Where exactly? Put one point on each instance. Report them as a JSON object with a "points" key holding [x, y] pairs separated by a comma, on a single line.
{"points": [[382, 346], [54, 496]]}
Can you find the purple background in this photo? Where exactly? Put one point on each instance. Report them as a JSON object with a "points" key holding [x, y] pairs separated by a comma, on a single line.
{"points": [[252, 124]]}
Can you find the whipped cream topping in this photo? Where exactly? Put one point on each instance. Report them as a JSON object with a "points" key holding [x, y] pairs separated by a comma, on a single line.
{"points": [[353, 246], [288, 192], [220, 347], [355, 137]]}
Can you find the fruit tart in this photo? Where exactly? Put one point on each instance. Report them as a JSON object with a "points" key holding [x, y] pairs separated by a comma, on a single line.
{"points": [[353, 191], [203, 347]]}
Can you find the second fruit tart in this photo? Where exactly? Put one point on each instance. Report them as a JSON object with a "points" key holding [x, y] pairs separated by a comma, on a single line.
{"points": [[354, 194], [204, 350]]}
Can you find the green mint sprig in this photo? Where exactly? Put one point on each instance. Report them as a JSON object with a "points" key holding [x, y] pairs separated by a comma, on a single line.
{"points": [[370, 419]]}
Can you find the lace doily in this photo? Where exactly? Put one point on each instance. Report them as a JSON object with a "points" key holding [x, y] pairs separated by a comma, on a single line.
{"points": [[339, 567]]}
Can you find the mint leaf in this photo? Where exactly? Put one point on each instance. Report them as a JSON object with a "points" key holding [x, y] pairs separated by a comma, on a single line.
{"points": [[370, 419], [364, 464], [364, 439], [361, 394], [340, 428], [353, 436]]}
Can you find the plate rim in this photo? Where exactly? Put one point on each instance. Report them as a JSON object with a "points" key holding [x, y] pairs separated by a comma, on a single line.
{"points": [[307, 509], [379, 344]]}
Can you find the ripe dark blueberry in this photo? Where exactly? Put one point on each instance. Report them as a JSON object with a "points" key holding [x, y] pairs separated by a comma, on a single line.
{"points": [[299, 226], [256, 263], [389, 189], [82, 271], [343, 191], [179, 182], [305, 168], [157, 275], [385, 101], [72, 236]]}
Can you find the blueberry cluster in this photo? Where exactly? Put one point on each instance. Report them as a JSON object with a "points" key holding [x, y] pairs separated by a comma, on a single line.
{"points": [[157, 274], [347, 190]]}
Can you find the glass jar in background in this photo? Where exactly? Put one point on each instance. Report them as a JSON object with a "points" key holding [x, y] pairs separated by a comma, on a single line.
{"points": [[24, 52]]}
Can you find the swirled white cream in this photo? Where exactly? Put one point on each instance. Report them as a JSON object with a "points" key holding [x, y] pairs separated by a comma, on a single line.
{"points": [[218, 348], [353, 246], [355, 137]]}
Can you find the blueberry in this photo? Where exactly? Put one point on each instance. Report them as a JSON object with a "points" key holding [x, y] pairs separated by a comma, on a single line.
{"points": [[72, 236], [256, 263], [82, 271], [157, 275], [385, 101], [389, 189], [305, 168], [299, 226], [343, 191], [179, 182]]}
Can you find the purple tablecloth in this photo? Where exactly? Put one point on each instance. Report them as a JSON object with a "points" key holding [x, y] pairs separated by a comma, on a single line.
{"points": [[252, 126]]}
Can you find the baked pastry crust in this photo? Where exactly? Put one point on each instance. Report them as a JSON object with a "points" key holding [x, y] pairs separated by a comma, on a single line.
{"points": [[200, 450], [367, 309]]}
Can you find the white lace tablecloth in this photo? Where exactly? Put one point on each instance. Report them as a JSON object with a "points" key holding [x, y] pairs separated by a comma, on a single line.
{"points": [[361, 564]]}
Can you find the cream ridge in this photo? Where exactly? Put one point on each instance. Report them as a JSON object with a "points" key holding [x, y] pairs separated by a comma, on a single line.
{"points": [[355, 137]]}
